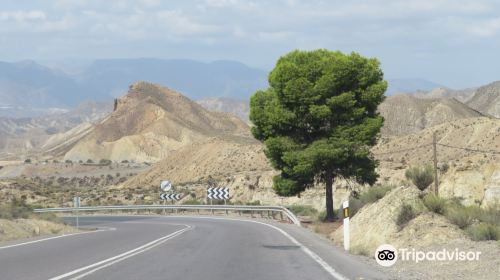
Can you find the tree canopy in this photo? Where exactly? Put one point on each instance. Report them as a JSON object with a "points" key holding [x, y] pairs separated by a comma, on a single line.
{"points": [[318, 119]]}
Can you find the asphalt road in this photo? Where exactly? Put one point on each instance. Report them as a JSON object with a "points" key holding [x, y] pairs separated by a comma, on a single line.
{"points": [[138, 247]]}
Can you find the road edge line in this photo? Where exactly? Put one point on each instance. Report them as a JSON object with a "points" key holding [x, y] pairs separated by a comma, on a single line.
{"points": [[55, 237]]}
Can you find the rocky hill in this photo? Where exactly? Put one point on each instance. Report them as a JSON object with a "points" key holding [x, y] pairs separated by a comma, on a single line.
{"points": [[150, 122], [406, 114], [487, 99], [403, 113], [468, 152]]}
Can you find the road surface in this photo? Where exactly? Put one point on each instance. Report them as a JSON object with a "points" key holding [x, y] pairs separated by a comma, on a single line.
{"points": [[141, 247]]}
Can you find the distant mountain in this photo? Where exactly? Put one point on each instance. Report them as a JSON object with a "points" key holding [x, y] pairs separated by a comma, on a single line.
{"points": [[410, 85], [30, 89], [195, 79], [487, 99]]}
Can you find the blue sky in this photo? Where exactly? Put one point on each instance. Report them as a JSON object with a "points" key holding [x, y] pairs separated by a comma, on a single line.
{"points": [[452, 42]]}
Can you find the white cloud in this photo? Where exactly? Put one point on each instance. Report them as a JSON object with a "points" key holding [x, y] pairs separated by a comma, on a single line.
{"points": [[22, 16]]}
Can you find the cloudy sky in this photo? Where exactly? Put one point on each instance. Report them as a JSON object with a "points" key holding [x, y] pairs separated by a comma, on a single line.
{"points": [[452, 42]]}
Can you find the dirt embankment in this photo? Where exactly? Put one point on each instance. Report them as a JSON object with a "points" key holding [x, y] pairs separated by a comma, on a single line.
{"points": [[27, 228]]}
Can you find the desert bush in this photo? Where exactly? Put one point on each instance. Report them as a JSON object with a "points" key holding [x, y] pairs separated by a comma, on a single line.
{"points": [[490, 215], [435, 203], [484, 232], [374, 193], [421, 177], [371, 195], [16, 209], [405, 215], [105, 162], [461, 216], [302, 210], [28, 160]]}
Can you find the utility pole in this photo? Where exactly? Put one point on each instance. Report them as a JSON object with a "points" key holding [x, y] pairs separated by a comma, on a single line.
{"points": [[436, 183]]}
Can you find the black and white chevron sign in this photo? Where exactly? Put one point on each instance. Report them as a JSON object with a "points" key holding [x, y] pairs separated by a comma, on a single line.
{"points": [[170, 196], [218, 193]]}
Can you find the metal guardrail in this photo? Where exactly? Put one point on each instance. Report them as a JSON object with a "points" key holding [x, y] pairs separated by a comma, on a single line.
{"points": [[236, 208]]}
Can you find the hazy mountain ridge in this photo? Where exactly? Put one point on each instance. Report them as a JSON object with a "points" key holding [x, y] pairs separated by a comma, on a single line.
{"points": [[28, 89]]}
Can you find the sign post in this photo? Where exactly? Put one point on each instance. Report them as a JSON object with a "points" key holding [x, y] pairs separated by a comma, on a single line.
{"points": [[345, 206], [76, 204], [171, 197]]}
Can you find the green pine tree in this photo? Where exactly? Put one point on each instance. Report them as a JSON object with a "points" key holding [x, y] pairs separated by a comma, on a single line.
{"points": [[318, 119]]}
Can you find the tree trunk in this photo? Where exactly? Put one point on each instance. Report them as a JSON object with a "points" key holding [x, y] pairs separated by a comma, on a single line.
{"points": [[330, 215]]}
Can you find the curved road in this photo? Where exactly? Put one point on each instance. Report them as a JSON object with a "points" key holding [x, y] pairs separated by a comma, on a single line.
{"points": [[139, 247]]}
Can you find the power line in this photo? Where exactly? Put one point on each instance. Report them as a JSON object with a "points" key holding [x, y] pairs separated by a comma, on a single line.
{"points": [[471, 150]]}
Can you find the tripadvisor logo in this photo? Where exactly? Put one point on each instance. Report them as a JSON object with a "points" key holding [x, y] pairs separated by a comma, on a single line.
{"points": [[387, 255]]}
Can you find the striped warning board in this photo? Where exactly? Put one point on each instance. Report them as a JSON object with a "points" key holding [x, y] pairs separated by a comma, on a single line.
{"points": [[170, 196], [218, 193]]}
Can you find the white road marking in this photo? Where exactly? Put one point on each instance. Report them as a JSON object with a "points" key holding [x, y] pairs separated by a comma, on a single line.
{"points": [[55, 237], [110, 261]]}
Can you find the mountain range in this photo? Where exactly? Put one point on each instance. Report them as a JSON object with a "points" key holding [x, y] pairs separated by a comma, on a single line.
{"points": [[30, 89]]}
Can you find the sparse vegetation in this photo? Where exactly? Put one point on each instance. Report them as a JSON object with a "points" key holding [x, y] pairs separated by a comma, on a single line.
{"points": [[405, 215], [484, 231], [28, 160], [435, 203], [303, 210], [371, 195], [105, 162], [421, 177], [461, 216], [16, 209]]}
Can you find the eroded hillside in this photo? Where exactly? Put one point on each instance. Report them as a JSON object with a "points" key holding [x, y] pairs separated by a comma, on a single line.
{"points": [[150, 122]]}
